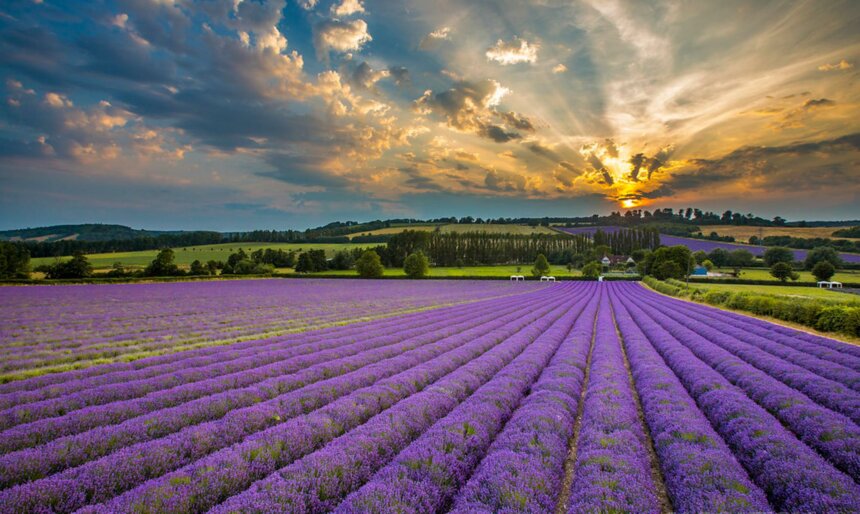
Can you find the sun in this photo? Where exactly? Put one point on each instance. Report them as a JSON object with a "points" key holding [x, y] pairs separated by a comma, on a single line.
{"points": [[628, 203]]}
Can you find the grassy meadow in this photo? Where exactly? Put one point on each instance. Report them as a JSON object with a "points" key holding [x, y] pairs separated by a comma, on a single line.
{"points": [[805, 276], [186, 255], [780, 290]]}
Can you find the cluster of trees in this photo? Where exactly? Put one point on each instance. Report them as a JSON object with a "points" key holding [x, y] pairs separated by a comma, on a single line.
{"points": [[76, 267], [482, 248], [14, 261], [847, 232], [668, 262], [625, 242], [807, 243], [146, 242]]}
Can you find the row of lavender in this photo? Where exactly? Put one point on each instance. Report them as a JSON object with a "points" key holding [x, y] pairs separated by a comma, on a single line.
{"points": [[386, 365], [68, 325], [705, 245], [576, 397]]}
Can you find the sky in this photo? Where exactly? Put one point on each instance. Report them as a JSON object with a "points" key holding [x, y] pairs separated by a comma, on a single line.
{"points": [[247, 114]]}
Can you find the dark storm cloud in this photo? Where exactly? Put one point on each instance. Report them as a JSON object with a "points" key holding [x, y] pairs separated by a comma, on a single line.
{"points": [[302, 170], [542, 150], [504, 182], [400, 75], [498, 134], [418, 181], [636, 163], [799, 166], [470, 106], [517, 121]]}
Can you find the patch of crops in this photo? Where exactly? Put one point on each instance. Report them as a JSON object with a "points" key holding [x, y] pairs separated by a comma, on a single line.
{"points": [[569, 397]]}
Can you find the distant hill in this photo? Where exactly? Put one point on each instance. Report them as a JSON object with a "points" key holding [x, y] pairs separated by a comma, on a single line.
{"points": [[82, 232]]}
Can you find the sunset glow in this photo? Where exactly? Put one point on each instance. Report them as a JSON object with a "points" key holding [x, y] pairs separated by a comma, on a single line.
{"points": [[297, 113]]}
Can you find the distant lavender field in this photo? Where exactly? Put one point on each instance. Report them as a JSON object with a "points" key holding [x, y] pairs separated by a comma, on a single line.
{"points": [[73, 325], [707, 246], [568, 397]]}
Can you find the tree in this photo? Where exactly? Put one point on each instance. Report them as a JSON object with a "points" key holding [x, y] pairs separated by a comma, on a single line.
{"points": [[776, 254], [591, 270], [669, 262], [197, 268], [369, 265], [163, 265], [14, 261], [541, 266], [416, 265], [213, 266], [700, 256], [342, 260], [782, 271], [668, 269], [741, 258], [76, 267], [823, 270], [305, 263], [719, 256], [708, 264], [822, 253]]}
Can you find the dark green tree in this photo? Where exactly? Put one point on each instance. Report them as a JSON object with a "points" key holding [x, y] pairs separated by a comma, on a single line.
{"points": [[741, 258], [591, 270], [776, 254], [369, 265], [14, 261], [197, 268], [782, 271], [822, 253], [416, 265], [163, 265], [823, 270], [342, 260], [719, 256], [76, 267], [305, 264], [541, 266], [669, 262]]}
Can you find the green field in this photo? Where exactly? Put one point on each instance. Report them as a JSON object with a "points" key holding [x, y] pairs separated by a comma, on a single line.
{"points": [[793, 291], [185, 256], [805, 276]]}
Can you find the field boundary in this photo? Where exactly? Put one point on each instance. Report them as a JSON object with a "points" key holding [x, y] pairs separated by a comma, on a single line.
{"points": [[770, 319]]}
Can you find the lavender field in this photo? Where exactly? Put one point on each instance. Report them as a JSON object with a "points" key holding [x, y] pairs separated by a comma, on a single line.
{"points": [[705, 245], [316, 396]]}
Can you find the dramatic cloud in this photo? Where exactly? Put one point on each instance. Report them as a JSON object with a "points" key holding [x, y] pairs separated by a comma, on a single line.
{"points": [[291, 107], [513, 52], [470, 107], [347, 7], [340, 36]]}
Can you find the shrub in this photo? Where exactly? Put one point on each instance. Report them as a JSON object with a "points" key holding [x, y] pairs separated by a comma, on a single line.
{"points": [[591, 270], [822, 253], [717, 297], [369, 265], [541, 266], [416, 265], [823, 270], [777, 254], [782, 271]]}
